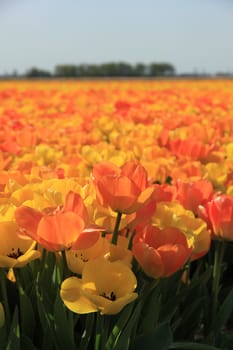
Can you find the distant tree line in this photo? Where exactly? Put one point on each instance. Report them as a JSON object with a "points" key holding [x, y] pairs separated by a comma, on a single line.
{"points": [[111, 69], [37, 73]]}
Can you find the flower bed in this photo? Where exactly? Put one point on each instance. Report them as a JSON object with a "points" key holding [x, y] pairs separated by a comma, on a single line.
{"points": [[116, 215]]}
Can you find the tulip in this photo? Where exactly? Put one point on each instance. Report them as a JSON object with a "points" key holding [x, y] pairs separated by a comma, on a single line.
{"points": [[77, 258], [124, 189], [14, 250], [105, 287], [58, 228], [193, 194], [191, 148], [160, 253], [217, 173], [172, 214], [218, 213], [120, 251]]}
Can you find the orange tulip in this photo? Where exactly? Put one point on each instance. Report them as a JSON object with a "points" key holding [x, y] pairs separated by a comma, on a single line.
{"points": [[160, 253], [124, 189], [218, 213], [142, 216], [193, 194], [191, 147], [58, 228], [164, 192]]}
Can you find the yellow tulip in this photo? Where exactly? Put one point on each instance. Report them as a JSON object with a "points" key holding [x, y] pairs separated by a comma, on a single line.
{"points": [[120, 251], [105, 287], [172, 214], [14, 250], [76, 259]]}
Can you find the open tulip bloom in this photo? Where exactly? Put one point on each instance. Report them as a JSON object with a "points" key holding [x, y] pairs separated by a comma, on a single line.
{"points": [[124, 189], [58, 228], [14, 250], [116, 215], [105, 287]]}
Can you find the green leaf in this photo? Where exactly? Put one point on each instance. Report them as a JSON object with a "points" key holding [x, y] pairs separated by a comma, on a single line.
{"points": [[159, 339], [88, 332], [63, 328], [123, 341], [192, 346], [224, 313], [190, 318], [47, 342], [26, 314], [14, 335], [26, 343], [47, 322], [150, 315], [3, 337], [119, 326], [168, 309]]}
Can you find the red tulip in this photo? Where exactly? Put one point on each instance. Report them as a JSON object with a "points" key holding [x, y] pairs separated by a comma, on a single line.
{"points": [[218, 213], [193, 194], [160, 252]]}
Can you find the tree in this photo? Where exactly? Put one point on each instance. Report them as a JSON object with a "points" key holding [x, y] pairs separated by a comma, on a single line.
{"points": [[37, 73], [161, 69]]}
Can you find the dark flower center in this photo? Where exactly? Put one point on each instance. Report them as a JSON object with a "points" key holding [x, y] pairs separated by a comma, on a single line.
{"points": [[111, 296], [81, 256], [15, 253]]}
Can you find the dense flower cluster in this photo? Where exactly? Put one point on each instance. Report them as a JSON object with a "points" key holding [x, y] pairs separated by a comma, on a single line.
{"points": [[115, 178]]}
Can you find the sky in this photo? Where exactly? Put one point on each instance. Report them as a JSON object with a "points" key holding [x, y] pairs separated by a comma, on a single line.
{"points": [[193, 35]]}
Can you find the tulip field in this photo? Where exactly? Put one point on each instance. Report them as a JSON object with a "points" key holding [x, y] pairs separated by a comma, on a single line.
{"points": [[116, 214]]}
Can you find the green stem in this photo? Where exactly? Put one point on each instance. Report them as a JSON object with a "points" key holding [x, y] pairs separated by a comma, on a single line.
{"points": [[187, 273], [41, 265], [217, 269], [65, 266], [150, 287], [58, 270], [99, 331], [116, 228], [131, 240], [5, 296]]}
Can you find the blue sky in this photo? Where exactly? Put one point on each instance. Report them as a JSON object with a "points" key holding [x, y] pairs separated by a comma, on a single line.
{"points": [[193, 35]]}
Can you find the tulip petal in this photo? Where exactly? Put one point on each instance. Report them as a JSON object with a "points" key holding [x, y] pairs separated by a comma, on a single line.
{"points": [[149, 259], [61, 229], [109, 276], [174, 257], [109, 307], [71, 294], [28, 219]]}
